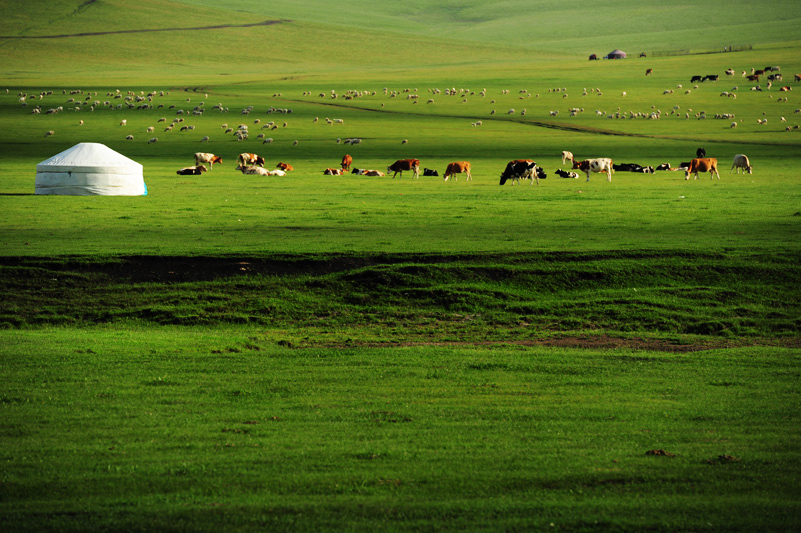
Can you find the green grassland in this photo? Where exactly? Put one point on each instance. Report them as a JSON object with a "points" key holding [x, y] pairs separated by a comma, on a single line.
{"points": [[308, 352]]}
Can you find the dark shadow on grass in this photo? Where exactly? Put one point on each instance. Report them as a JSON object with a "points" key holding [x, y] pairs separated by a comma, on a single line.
{"points": [[94, 33]]}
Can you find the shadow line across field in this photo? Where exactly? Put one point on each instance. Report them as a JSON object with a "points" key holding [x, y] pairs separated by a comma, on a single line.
{"points": [[146, 30]]}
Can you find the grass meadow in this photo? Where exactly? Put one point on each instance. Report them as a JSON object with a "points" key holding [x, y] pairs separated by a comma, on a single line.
{"points": [[354, 353]]}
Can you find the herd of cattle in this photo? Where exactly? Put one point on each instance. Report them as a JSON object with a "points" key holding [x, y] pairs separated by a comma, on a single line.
{"points": [[516, 170]]}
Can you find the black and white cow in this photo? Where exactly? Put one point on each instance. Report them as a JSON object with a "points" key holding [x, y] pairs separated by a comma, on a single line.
{"points": [[522, 169], [566, 174], [633, 167]]}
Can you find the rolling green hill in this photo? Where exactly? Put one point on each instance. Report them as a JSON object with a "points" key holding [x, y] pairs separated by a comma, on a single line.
{"points": [[109, 40]]}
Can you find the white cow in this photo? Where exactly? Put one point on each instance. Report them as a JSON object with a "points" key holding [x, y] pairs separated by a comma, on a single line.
{"points": [[603, 164], [566, 156], [741, 162]]}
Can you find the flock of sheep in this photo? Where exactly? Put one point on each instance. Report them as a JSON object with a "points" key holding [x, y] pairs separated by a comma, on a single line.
{"points": [[78, 101]]}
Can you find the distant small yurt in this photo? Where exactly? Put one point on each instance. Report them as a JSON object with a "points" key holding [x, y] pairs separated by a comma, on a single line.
{"points": [[89, 169], [617, 54]]}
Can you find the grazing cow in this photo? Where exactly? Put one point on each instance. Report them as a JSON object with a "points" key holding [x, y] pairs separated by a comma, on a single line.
{"points": [[203, 157], [247, 159], [703, 164], [251, 169], [347, 161], [696, 78], [405, 164], [741, 162], [333, 172], [518, 169], [798, 77], [649, 72], [286, 167], [565, 174], [429, 172], [566, 156], [458, 167], [700, 153], [192, 171], [711, 77], [603, 164]]}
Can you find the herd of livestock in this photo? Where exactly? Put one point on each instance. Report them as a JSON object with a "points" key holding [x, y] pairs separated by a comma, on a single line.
{"points": [[516, 170]]}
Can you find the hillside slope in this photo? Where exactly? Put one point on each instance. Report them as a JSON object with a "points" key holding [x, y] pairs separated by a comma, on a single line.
{"points": [[193, 39]]}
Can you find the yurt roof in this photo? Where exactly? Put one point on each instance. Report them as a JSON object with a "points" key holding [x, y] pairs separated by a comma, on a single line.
{"points": [[90, 157]]}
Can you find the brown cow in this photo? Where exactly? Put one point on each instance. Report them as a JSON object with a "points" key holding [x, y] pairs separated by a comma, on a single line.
{"points": [[405, 164], [704, 164], [346, 162], [247, 159], [285, 167], [458, 167], [205, 157]]}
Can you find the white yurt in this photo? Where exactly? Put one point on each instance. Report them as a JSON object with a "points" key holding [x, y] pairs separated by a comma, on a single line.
{"points": [[89, 169]]}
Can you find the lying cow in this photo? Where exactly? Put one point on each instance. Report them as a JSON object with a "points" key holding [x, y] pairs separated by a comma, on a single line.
{"points": [[286, 167], [603, 164], [458, 167], [741, 163], [518, 169], [405, 164], [632, 167], [664, 166], [429, 172], [333, 172], [252, 169], [566, 174], [192, 171], [367, 172], [704, 164]]}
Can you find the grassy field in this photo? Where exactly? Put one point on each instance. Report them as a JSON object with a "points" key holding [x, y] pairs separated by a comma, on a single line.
{"points": [[349, 353]]}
